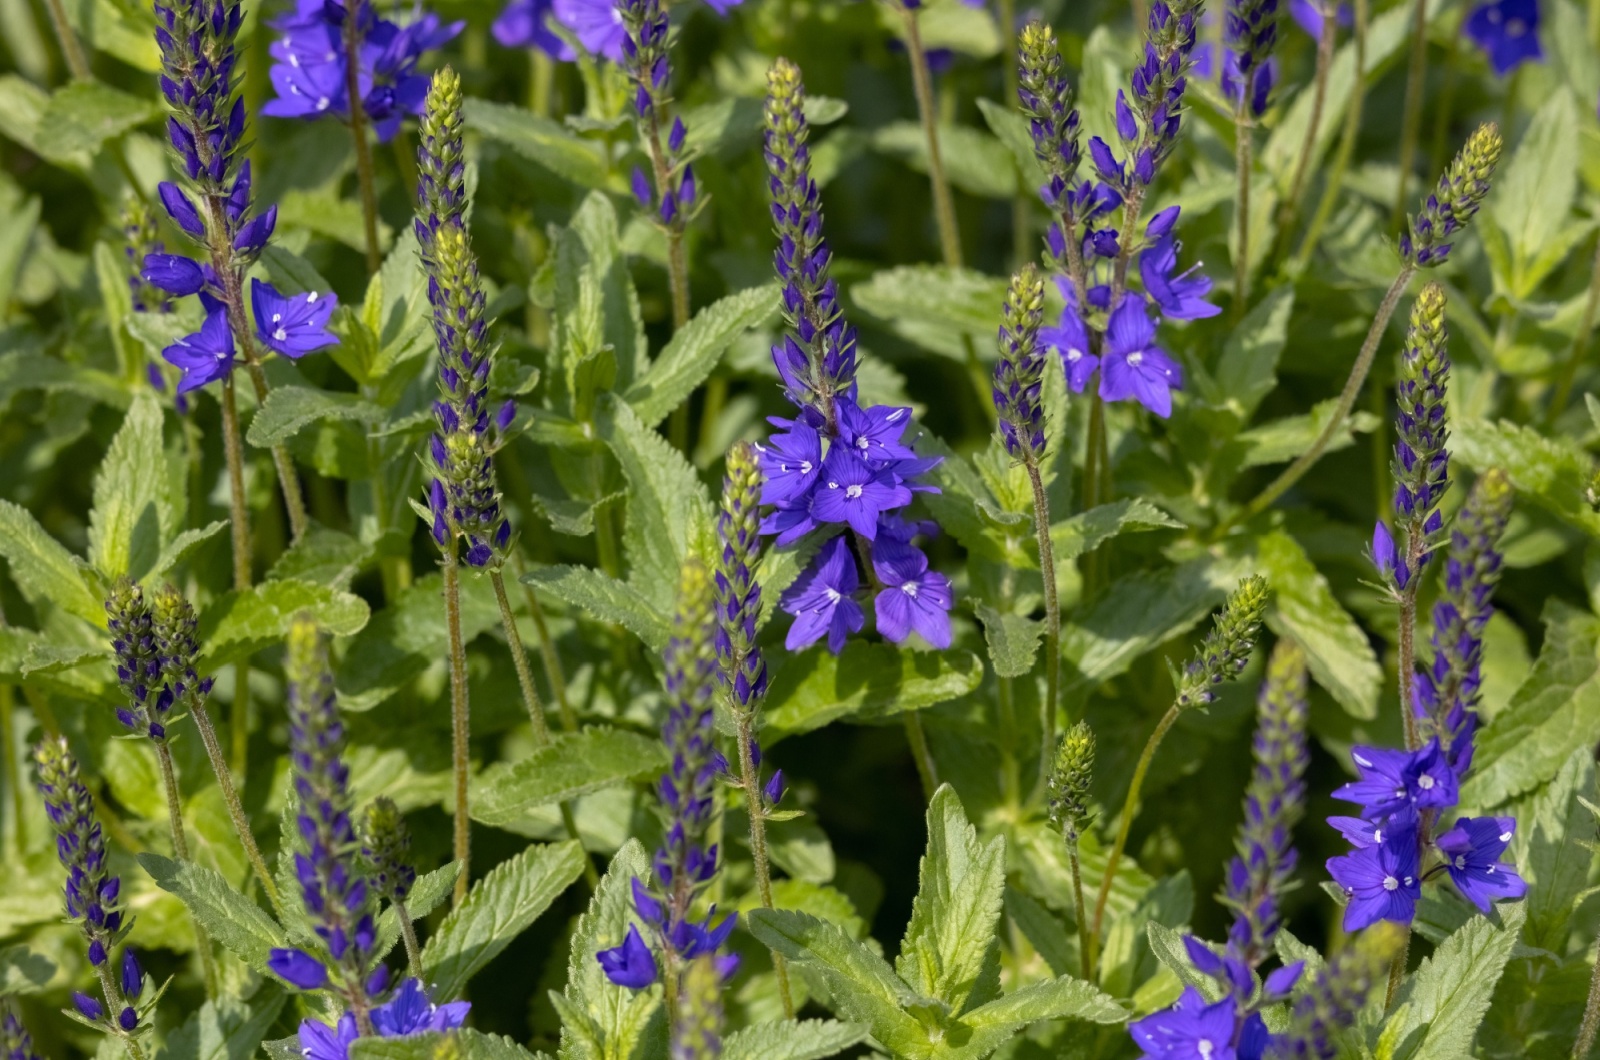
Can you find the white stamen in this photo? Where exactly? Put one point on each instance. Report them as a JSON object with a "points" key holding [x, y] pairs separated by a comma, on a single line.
{"points": [[910, 589], [322, 103], [1390, 883], [280, 334], [862, 443], [1425, 782], [1204, 1048], [1074, 355], [805, 467], [1362, 762], [896, 416], [1505, 837], [1461, 861], [1135, 359], [832, 594], [853, 492], [311, 296]]}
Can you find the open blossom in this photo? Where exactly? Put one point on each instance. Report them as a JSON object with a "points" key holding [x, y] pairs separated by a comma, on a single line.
{"points": [[293, 325], [1134, 366], [1507, 31], [822, 600], [1382, 881]]}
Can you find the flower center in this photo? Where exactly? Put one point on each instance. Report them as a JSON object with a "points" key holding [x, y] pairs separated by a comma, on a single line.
{"points": [[862, 443], [910, 589], [1390, 883], [1204, 1048], [853, 492], [1516, 27], [1074, 355], [1135, 359], [1425, 782], [322, 102], [832, 594], [1461, 861]]}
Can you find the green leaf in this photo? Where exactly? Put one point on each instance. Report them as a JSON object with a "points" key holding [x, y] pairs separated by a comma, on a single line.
{"points": [[865, 682], [183, 546], [541, 140], [225, 1028], [974, 161], [693, 353], [1013, 640], [943, 310], [1167, 944], [430, 889], [1060, 998], [499, 907], [604, 599], [324, 557], [325, 212], [1248, 368], [1551, 850], [571, 765], [1088, 530], [289, 409], [1552, 472], [950, 950], [600, 1020], [1535, 190], [83, 115], [42, 568], [1444, 1000], [461, 1044], [230, 918], [599, 338], [1556, 711], [24, 971], [238, 624], [1281, 440], [792, 1040], [133, 511]]}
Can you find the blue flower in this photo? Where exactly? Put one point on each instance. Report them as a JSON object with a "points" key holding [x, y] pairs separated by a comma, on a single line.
{"points": [[851, 491], [318, 1041], [204, 357], [1070, 339], [1507, 31], [1472, 852], [181, 209], [1194, 1030], [822, 599], [1134, 366], [1178, 295], [526, 24], [410, 1012], [631, 964], [913, 597], [790, 462], [298, 968], [293, 325], [1397, 782], [1380, 881]]}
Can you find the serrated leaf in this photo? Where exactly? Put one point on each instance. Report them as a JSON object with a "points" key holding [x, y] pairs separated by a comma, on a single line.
{"points": [[183, 546], [225, 1028], [290, 409], [1556, 711], [42, 568], [408, 636], [464, 1043], [1551, 853], [1536, 187], [571, 765], [938, 308], [24, 970], [1013, 640], [230, 918], [499, 907], [1088, 530], [1167, 944], [540, 140], [692, 353], [865, 682], [1012, 130], [1063, 997], [792, 1040], [83, 115], [132, 509], [604, 599], [1248, 368], [1444, 1000], [1552, 472], [950, 951], [239, 623], [600, 1020]]}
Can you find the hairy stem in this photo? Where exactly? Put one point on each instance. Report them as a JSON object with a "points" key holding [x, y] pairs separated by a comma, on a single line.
{"points": [[239, 512], [1052, 620], [1591, 1017], [921, 753], [230, 797], [1086, 951], [1130, 810], [408, 932], [1411, 119], [1580, 346], [1336, 423], [1347, 140], [358, 135], [459, 721], [745, 727], [519, 658], [1241, 164], [71, 49], [113, 1002], [944, 207], [547, 649], [1289, 210], [180, 849], [1407, 666]]}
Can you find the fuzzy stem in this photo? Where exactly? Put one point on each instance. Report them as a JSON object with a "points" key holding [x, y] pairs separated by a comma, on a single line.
{"points": [[358, 135], [921, 753], [944, 207], [71, 48], [1347, 400], [519, 658], [294, 501], [1130, 809], [459, 721], [1289, 210], [1411, 120], [1347, 140], [547, 649], [1406, 668], [408, 932], [180, 849], [239, 521], [11, 773], [1591, 1017], [1241, 164], [230, 797], [1052, 618], [745, 727], [1580, 346], [110, 991], [1086, 950]]}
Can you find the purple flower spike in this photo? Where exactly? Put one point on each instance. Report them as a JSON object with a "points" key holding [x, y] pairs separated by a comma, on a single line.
{"points": [[1472, 850], [293, 325], [631, 964], [822, 599]]}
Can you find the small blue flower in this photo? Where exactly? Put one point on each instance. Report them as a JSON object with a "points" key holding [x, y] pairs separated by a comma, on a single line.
{"points": [[1472, 852], [1507, 31], [631, 964], [1070, 339], [1194, 1030], [913, 598], [181, 209], [293, 325], [298, 968], [526, 24], [1399, 782], [410, 1012], [1178, 295], [87, 1006], [822, 599], [851, 491], [204, 357], [1134, 366], [790, 462], [1380, 881]]}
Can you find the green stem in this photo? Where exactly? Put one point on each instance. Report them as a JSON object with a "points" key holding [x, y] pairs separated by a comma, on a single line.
{"points": [[1347, 140], [12, 772], [519, 659], [239, 513], [358, 134], [1130, 809], [459, 721], [1406, 664], [1347, 400], [1052, 619], [230, 797], [180, 849], [744, 724], [547, 649], [1241, 165], [408, 932], [71, 49], [1580, 346], [1290, 208], [1411, 120], [109, 990], [1591, 1008], [921, 753], [1397, 969], [1086, 951], [944, 207]]}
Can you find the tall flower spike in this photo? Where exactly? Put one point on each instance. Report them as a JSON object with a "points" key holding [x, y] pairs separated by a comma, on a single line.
{"points": [[139, 671], [1257, 878], [172, 627], [738, 594], [1337, 995], [338, 902], [1046, 101], [386, 844], [645, 56], [1461, 191], [1070, 776], [697, 1031], [441, 171], [92, 892], [1019, 372], [1158, 85], [1421, 463], [15, 1041], [1226, 649], [1251, 30]]}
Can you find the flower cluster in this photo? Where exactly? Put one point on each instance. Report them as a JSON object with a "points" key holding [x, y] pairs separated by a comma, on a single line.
{"points": [[697, 1028], [1019, 370], [198, 40], [139, 240], [1461, 191], [15, 1041], [836, 463], [92, 893], [463, 498], [386, 845], [1107, 327], [408, 1012], [1225, 652], [672, 195], [1067, 795], [686, 861], [153, 644], [310, 72], [1250, 29], [1507, 31], [1336, 995], [597, 26], [1404, 794]]}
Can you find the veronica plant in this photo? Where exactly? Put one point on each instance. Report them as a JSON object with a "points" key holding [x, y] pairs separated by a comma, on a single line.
{"points": [[386, 844], [15, 1041], [1250, 29], [1067, 802]]}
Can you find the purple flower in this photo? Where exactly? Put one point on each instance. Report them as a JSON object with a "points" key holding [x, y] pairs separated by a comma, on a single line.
{"points": [[298, 968], [790, 462], [205, 356], [526, 24], [1472, 852], [181, 209], [318, 1041], [1307, 14], [913, 597], [410, 1012], [1386, 556], [1178, 295], [132, 974], [1071, 340], [1194, 1030], [1397, 782], [293, 325], [1380, 881], [822, 599], [631, 964], [1135, 367], [850, 491], [1507, 31], [1358, 832], [874, 432], [87, 1006], [177, 274], [596, 23]]}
